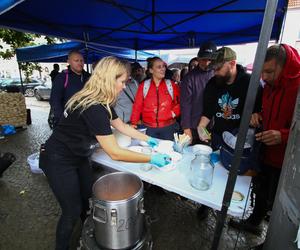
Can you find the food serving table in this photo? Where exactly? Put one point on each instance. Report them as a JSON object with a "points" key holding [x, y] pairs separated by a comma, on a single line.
{"points": [[177, 181]]}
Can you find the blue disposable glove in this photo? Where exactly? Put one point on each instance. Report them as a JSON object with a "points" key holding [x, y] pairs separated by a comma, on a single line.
{"points": [[160, 160], [152, 142]]}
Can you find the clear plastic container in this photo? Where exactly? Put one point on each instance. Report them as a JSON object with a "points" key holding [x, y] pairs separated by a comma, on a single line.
{"points": [[201, 172], [33, 162]]}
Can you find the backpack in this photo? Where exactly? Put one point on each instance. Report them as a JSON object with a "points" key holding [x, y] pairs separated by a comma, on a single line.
{"points": [[169, 87], [51, 119]]}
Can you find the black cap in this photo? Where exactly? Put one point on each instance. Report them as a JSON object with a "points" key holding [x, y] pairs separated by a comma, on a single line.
{"points": [[207, 49]]}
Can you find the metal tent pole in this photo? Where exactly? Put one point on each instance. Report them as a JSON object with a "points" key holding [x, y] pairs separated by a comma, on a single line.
{"points": [[136, 49], [20, 72], [86, 39], [264, 38], [87, 60]]}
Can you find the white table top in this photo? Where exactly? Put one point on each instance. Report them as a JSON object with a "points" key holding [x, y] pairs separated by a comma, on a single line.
{"points": [[177, 181]]}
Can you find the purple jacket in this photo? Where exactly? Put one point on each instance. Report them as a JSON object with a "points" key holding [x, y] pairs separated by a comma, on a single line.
{"points": [[191, 96]]}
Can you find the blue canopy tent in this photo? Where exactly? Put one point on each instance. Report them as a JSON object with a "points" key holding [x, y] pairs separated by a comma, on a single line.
{"points": [[165, 24], [91, 53], [143, 24]]}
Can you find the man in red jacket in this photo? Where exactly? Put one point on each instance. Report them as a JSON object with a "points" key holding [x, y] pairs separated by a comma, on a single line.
{"points": [[281, 74]]}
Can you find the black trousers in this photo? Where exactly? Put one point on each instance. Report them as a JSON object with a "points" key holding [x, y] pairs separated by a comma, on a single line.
{"points": [[164, 133], [264, 186], [70, 179]]}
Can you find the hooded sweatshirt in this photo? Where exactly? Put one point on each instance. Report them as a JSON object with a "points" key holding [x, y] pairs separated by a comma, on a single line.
{"points": [[278, 105], [64, 88]]}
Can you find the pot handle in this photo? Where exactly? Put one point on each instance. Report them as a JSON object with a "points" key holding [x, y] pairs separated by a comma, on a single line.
{"points": [[99, 213], [141, 206]]}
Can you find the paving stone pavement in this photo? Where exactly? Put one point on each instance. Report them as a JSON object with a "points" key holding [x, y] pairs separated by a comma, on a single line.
{"points": [[29, 211]]}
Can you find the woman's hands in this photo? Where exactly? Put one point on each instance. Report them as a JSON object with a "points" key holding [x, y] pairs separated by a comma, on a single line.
{"points": [[152, 142], [160, 160]]}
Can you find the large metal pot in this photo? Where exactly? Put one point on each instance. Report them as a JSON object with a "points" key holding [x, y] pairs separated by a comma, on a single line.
{"points": [[118, 210]]}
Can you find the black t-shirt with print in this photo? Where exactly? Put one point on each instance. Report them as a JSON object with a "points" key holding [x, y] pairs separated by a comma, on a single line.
{"points": [[77, 130], [225, 103]]}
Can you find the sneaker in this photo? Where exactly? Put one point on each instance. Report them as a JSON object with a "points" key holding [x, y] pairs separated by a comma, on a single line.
{"points": [[202, 212], [246, 225]]}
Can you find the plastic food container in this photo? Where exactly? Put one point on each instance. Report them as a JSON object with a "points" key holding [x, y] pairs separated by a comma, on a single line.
{"points": [[33, 161]]}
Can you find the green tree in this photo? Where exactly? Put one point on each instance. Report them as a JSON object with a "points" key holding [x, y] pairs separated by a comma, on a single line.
{"points": [[15, 39]]}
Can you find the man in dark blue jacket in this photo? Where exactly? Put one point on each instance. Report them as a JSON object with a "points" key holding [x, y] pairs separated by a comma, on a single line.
{"points": [[191, 91], [67, 83]]}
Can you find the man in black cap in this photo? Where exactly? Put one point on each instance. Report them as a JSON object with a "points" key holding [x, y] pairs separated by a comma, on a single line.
{"points": [[223, 100], [191, 92], [191, 98], [224, 96]]}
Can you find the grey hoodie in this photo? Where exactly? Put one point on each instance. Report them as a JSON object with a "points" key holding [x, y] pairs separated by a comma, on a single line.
{"points": [[123, 106]]}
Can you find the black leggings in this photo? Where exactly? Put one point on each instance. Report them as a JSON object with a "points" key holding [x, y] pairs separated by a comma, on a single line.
{"points": [[70, 179]]}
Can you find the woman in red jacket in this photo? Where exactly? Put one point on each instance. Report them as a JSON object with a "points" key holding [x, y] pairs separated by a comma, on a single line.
{"points": [[156, 102]]}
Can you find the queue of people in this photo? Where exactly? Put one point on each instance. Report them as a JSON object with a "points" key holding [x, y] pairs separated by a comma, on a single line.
{"points": [[211, 95]]}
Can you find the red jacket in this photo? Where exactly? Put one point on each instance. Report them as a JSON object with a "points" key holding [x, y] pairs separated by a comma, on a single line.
{"points": [[156, 108], [278, 106]]}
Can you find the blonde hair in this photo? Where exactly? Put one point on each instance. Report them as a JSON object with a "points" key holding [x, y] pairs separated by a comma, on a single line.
{"points": [[101, 87]]}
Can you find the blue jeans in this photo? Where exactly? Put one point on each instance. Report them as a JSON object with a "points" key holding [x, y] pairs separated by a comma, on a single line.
{"points": [[164, 133], [70, 179]]}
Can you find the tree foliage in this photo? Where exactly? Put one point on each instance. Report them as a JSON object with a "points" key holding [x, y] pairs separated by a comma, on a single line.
{"points": [[28, 68], [15, 39]]}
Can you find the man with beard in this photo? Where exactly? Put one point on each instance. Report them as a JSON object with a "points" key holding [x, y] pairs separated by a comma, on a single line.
{"points": [[224, 96]]}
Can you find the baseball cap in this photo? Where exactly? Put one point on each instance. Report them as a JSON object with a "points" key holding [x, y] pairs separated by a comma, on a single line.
{"points": [[222, 55], [206, 49]]}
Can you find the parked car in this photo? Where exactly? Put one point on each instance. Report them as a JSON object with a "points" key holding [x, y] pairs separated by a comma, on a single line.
{"points": [[3, 80], [14, 85], [43, 91]]}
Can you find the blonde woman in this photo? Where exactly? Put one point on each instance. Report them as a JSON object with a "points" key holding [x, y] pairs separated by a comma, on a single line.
{"points": [[88, 116]]}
